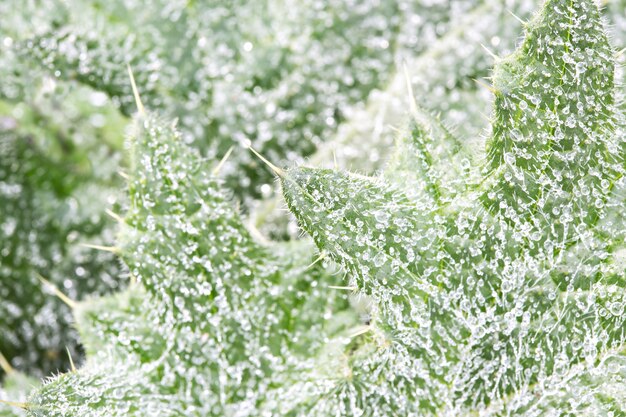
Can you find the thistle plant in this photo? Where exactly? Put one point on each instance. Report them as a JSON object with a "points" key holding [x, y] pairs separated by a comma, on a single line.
{"points": [[59, 156], [65, 98], [238, 72], [471, 283]]}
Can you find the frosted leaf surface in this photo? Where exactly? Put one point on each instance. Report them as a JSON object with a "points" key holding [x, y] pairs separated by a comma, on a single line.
{"points": [[16, 388], [58, 161], [510, 292], [285, 86], [215, 321], [492, 288]]}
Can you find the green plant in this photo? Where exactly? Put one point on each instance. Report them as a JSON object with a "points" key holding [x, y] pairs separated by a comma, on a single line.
{"points": [[279, 74], [482, 283], [17, 387], [65, 97], [59, 156]]}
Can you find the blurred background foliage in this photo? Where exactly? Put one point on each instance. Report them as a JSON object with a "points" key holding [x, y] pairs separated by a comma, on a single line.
{"points": [[298, 80]]}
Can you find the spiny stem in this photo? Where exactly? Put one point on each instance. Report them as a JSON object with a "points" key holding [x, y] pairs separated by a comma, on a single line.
{"points": [[67, 300]]}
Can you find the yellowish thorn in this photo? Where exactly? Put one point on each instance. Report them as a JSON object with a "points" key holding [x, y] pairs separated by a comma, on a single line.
{"points": [[124, 175], [319, 258], [620, 53], [5, 365], [273, 167], [337, 287], [219, 166], [67, 300], [257, 233], [487, 86], [112, 249], [519, 19], [114, 215], [138, 102], [396, 129], [494, 56], [23, 406], [358, 332], [69, 355], [335, 160], [409, 86]]}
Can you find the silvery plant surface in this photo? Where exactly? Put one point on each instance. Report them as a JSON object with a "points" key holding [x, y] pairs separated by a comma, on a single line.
{"points": [[466, 283]]}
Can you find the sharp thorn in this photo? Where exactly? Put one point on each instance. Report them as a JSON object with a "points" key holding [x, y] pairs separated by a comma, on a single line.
{"points": [[396, 129], [138, 102], [494, 56], [482, 84], [409, 86], [124, 175], [273, 167], [519, 19], [112, 249], [257, 233], [114, 215], [338, 287], [69, 355], [620, 53], [319, 258], [67, 300], [361, 331], [5, 365], [335, 160], [219, 166], [23, 406]]}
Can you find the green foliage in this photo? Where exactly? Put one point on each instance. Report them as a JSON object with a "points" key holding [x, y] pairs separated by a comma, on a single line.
{"points": [[230, 72], [502, 293], [275, 73], [475, 281], [15, 388], [209, 295], [58, 161]]}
